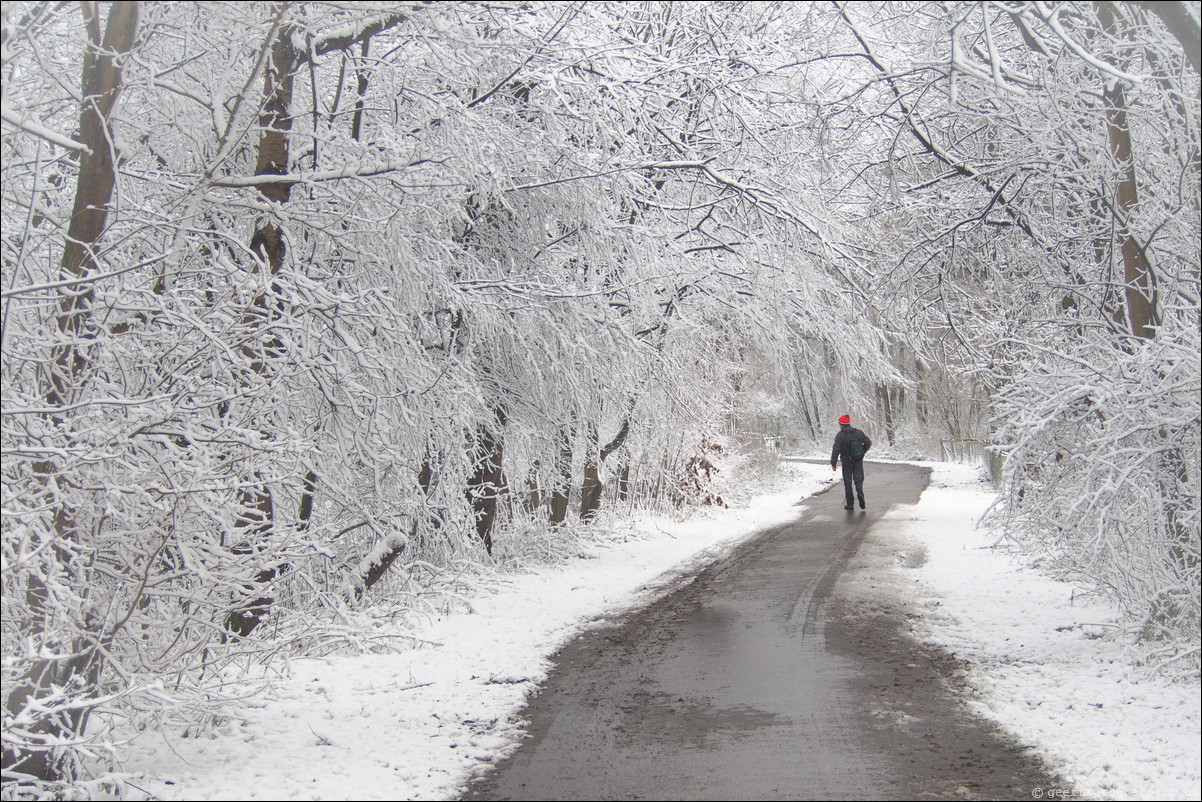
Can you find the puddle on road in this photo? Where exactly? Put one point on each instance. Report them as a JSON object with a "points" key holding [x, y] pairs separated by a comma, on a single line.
{"points": [[688, 723]]}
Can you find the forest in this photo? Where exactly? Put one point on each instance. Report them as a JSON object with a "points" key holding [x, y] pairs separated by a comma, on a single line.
{"points": [[311, 307]]}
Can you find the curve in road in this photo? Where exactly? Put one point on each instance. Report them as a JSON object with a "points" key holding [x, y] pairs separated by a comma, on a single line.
{"points": [[732, 687]]}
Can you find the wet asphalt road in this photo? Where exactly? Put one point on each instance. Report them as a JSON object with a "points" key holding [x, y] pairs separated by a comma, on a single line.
{"points": [[731, 687]]}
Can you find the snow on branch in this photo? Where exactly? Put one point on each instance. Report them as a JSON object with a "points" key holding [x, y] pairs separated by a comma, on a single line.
{"points": [[346, 171], [34, 127], [1051, 15], [80, 280], [346, 36]]}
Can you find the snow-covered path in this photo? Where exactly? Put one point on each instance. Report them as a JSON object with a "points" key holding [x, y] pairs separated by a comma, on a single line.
{"points": [[420, 723]]}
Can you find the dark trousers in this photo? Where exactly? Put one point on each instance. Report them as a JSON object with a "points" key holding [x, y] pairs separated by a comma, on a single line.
{"points": [[853, 473]]}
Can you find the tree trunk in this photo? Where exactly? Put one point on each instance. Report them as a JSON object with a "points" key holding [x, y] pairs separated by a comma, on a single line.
{"points": [[1137, 277], [357, 117], [590, 496], [624, 483], [887, 407], [590, 491], [486, 483], [79, 672], [256, 516], [562, 477], [534, 494]]}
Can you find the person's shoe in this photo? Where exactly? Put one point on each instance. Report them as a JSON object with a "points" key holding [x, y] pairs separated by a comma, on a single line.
{"points": [[847, 506], [861, 502]]}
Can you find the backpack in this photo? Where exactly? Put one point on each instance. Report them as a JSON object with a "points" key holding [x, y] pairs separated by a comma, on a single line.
{"points": [[855, 444]]}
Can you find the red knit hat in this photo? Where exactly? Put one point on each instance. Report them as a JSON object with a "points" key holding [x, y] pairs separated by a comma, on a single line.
{"points": [[845, 420]]}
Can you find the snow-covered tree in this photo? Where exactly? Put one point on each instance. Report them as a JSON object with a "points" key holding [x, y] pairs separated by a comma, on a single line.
{"points": [[302, 300], [1042, 179], [337, 272]]}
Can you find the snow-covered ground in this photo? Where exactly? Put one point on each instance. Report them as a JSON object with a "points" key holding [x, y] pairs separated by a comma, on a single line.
{"points": [[1041, 664], [419, 724]]}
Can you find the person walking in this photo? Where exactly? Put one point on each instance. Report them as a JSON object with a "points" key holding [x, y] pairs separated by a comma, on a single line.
{"points": [[851, 445]]}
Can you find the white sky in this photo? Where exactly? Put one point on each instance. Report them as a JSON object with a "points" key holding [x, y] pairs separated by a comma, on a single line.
{"points": [[420, 723]]}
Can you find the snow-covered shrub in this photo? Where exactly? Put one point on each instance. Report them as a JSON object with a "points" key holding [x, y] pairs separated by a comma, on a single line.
{"points": [[1102, 468]]}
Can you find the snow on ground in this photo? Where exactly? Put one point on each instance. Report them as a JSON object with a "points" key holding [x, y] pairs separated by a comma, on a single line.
{"points": [[420, 723], [1041, 666]]}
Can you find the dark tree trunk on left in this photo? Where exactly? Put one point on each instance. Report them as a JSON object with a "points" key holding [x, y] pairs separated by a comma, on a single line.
{"points": [[65, 383]]}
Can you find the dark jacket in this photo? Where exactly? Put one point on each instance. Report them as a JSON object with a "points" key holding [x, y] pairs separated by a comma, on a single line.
{"points": [[843, 445]]}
